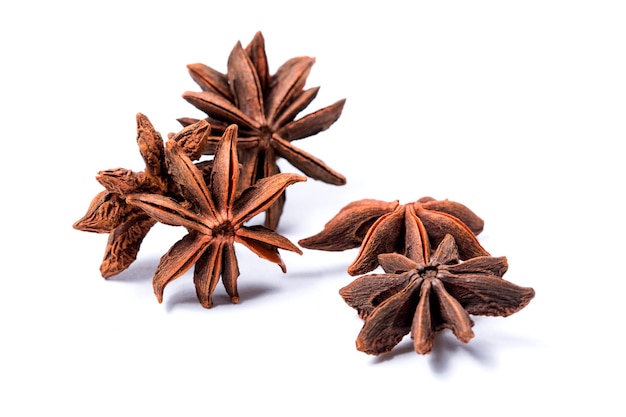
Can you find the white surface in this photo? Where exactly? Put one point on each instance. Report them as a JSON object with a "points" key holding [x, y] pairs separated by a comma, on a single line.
{"points": [[515, 109]]}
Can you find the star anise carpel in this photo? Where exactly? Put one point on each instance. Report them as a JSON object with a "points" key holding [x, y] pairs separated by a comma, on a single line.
{"points": [[214, 218], [223, 169], [265, 107], [424, 295], [128, 225], [390, 227]]}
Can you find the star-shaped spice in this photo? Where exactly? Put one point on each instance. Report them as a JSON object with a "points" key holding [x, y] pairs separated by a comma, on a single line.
{"points": [[128, 225], [389, 227], [265, 108], [215, 220], [423, 296]]}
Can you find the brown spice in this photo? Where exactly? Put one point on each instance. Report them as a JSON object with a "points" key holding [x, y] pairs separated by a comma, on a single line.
{"points": [[389, 227], [109, 212], [425, 295], [215, 218], [265, 108], [253, 116]]}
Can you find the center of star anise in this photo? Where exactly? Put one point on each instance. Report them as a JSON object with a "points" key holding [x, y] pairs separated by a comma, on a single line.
{"points": [[428, 271], [225, 229], [265, 136]]}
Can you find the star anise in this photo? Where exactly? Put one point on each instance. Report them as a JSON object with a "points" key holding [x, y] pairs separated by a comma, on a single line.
{"points": [[264, 107], [389, 227], [128, 225], [215, 220], [424, 295]]}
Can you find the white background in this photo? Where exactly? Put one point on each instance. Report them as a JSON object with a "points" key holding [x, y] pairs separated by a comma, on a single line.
{"points": [[515, 109]]}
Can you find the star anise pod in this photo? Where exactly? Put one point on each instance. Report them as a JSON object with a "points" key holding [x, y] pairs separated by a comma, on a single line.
{"points": [[128, 225], [265, 108], [425, 295], [389, 227], [215, 220]]}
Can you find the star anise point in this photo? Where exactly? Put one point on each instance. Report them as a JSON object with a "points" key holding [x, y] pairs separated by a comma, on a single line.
{"points": [[411, 229], [424, 298], [215, 219], [109, 212], [265, 107]]}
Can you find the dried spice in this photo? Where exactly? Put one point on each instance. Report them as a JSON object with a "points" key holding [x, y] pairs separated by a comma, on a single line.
{"points": [[425, 295], [128, 225], [265, 108], [251, 124], [389, 227], [214, 218]]}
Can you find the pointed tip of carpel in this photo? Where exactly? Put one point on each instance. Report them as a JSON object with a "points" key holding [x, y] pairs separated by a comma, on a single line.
{"points": [[142, 120], [297, 178], [107, 272], [466, 336], [353, 271]]}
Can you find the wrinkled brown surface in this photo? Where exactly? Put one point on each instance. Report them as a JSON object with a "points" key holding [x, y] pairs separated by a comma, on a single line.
{"points": [[127, 225], [265, 107], [347, 228], [215, 218], [379, 227], [421, 298]]}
